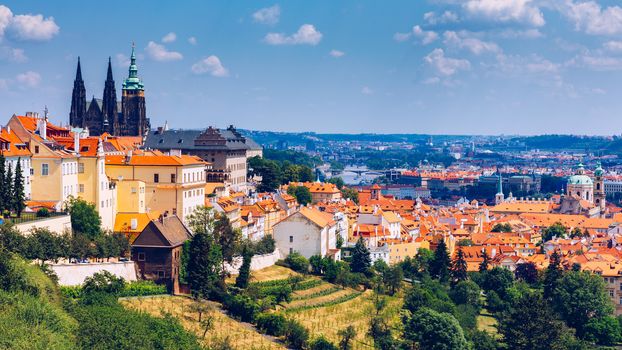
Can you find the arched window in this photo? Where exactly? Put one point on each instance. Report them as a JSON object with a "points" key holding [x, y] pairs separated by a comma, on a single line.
{"points": [[598, 186]]}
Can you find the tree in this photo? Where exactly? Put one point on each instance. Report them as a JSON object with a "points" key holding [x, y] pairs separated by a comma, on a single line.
{"points": [[8, 188], [555, 230], [317, 264], [458, 267], [4, 194], [483, 266], [502, 228], [380, 332], [84, 218], [302, 194], [205, 274], [580, 297], [499, 280], [351, 194], [296, 335], [530, 324], [552, 274], [227, 238], [433, 330], [337, 181], [245, 270], [439, 267], [321, 343], [297, 262], [268, 170], [603, 331], [527, 272], [103, 282], [346, 336], [467, 293], [361, 259], [392, 278]]}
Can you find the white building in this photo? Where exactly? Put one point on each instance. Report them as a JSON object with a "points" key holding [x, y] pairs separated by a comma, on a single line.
{"points": [[308, 232]]}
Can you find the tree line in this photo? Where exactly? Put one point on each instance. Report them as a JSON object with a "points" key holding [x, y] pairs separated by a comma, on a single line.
{"points": [[12, 197]]}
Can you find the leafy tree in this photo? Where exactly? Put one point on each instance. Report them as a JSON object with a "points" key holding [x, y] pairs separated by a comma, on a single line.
{"points": [[346, 336], [483, 266], [321, 343], [552, 274], [296, 335], [530, 324], [527, 272], [271, 324], [506, 227], [433, 330], [458, 270], [11, 239], [337, 181], [48, 245], [380, 332], [5, 198], [302, 194], [8, 188], [392, 278], [465, 243], [84, 218], [466, 292], [297, 262], [245, 270], [580, 297], [227, 238], [439, 266], [555, 230], [351, 194], [268, 170], [604, 330], [103, 282], [361, 259], [498, 279], [317, 264], [481, 340]]}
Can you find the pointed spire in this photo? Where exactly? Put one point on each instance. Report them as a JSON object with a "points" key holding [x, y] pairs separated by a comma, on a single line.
{"points": [[78, 71], [109, 74]]}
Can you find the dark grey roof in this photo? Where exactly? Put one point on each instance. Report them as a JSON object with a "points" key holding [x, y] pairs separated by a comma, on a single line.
{"points": [[163, 232], [184, 140], [100, 104]]}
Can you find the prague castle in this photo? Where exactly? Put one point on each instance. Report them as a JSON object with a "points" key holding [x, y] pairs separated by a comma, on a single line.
{"points": [[106, 115]]}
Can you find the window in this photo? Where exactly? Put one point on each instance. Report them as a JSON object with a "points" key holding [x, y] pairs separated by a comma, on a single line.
{"points": [[45, 169], [173, 178], [291, 250], [611, 293], [141, 257], [156, 178], [36, 149], [161, 274], [81, 168], [291, 239], [81, 188], [133, 190], [32, 171]]}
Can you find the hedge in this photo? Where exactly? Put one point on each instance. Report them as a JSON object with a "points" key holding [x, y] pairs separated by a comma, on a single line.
{"points": [[132, 289]]}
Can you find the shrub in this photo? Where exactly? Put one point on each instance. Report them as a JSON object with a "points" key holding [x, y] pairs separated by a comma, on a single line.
{"points": [[297, 262], [296, 335], [43, 213], [271, 324], [104, 282], [321, 343], [265, 245], [242, 307], [466, 292]]}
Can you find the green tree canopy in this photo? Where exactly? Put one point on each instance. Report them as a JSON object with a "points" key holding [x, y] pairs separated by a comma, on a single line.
{"points": [[439, 266], [361, 260], [433, 330], [84, 218]]}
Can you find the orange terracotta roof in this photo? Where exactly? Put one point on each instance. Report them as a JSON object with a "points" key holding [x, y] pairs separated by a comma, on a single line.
{"points": [[155, 160], [17, 147]]}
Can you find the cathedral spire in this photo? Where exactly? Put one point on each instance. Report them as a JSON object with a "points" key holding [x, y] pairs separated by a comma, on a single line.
{"points": [[133, 81], [78, 100], [109, 74], [109, 103], [79, 71]]}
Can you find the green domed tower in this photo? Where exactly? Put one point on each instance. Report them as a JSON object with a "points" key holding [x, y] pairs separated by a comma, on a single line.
{"points": [[135, 121]]}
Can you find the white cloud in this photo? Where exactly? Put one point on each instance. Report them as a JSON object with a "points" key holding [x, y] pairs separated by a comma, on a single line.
{"points": [[306, 34], [192, 40], [432, 81], [590, 17], [444, 65], [13, 54], [446, 17], [520, 34], [29, 79], [268, 15], [542, 65], [598, 62], [426, 36], [210, 65], [614, 46], [122, 60], [520, 11], [337, 53], [158, 52], [463, 41], [26, 27], [33, 27], [366, 90], [169, 38]]}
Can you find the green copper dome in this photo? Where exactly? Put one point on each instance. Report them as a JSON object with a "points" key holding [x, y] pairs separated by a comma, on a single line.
{"points": [[599, 170], [580, 180], [133, 81]]}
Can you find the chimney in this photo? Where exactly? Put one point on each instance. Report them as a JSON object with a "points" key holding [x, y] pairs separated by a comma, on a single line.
{"points": [[493, 252], [76, 142], [8, 129], [128, 157]]}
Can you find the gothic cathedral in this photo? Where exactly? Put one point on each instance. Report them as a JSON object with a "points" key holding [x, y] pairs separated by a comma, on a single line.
{"points": [[128, 118]]}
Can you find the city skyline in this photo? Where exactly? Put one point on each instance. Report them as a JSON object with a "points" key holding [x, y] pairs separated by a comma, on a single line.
{"points": [[434, 67]]}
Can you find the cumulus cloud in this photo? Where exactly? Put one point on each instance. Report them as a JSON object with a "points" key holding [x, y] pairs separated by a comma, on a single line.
{"points": [[520, 34], [463, 41], [444, 65], [306, 35], [519, 11], [27, 27], [13, 54], [269, 15], [29, 79], [593, 19], [426, 36], [169, 38], [192, 40], [210, 65], [446, 17], [366, 90], [159, 53], [122, 60], [337, 53], [614, 46]]}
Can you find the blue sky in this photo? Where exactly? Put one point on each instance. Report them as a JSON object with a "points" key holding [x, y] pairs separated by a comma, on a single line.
{"points": [[417, 66]]}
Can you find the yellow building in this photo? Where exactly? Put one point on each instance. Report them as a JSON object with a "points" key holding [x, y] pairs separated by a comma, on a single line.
{"points": [[173, 184], [399, 250], [133, 194]]}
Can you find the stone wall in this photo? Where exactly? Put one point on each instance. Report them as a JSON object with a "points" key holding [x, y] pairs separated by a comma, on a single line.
{"points": [[257, 263], [75, 274]]}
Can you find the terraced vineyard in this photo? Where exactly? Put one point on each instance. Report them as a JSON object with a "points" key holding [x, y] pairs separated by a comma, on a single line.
{"points": [[241, 335]]}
